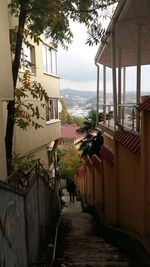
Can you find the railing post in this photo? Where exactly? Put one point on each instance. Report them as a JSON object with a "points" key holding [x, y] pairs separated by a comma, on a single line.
{"points": [[104, 90], [138, 92], [114, 71]]}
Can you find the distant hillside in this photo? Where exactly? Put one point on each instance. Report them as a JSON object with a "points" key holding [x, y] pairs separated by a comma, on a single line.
{"points": [[73, 92], [88, 98], [77, 98]]}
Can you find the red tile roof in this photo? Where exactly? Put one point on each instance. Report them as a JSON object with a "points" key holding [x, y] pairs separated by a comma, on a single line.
{"points": [[107, 155], [129, 140], [69, 131]]}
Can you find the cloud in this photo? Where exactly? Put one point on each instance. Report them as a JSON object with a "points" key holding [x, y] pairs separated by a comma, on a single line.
{"points": [[83, 86], [77, 69], [77, 64], [74, 68]]}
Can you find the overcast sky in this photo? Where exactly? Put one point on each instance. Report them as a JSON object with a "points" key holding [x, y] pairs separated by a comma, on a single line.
{"points": [[76, 66], [77, 70]]}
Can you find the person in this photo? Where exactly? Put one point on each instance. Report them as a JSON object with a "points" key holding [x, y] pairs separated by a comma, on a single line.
{"points": [[72, 189]]}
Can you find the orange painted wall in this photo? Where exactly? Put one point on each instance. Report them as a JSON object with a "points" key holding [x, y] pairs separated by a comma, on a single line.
{"points": [[145, 162], [130, 190], [89, 186], [123, 189], [109, 192], [98, 187]]}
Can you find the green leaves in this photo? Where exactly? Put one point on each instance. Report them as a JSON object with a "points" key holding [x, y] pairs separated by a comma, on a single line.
{"points": [[53, 17], [93, 139], [69, 161], [29, 100]]}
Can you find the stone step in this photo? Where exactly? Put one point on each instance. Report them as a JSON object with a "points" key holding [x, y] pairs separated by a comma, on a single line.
{"points": [[80, 246]]}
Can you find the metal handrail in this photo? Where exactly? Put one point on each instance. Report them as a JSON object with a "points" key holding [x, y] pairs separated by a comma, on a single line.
{"points": [[21, 180]]}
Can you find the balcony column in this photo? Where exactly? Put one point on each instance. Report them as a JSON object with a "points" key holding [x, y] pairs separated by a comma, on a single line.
{"points": [[114, 71], [138, 81], [104, 92], [124, 93], [119, 85], [97, 108]]}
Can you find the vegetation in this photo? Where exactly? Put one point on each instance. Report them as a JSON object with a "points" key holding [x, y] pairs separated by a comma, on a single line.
{"points": [[66, 118], [93, 139], [27, 112], [69, 160], [24, 163]]}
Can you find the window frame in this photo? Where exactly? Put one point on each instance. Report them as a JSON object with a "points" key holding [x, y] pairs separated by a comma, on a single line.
{"points": [[52, 109], [50, 68], [25, 60]]}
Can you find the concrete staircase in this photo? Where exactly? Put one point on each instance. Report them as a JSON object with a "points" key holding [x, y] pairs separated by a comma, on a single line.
{"points": [[79, 245]]}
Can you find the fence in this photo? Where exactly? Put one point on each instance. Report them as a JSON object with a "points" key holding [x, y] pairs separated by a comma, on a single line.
{"points": [[29, 214]]}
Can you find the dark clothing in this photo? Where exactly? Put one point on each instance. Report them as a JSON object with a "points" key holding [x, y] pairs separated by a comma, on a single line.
{"points": [[71, 189]]}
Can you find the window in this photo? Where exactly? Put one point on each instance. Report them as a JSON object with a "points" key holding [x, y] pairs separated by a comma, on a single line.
{"points": [[28, 58], [49, 60], [52, 109]]}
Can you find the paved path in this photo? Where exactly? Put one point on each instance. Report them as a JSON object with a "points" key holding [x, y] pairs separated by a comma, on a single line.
{"points": [[79, 245]]}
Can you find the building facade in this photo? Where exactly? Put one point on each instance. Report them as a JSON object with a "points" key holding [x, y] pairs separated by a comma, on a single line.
{"points": [[69, 135], [42, 142], [41, 61], [6, 83]]}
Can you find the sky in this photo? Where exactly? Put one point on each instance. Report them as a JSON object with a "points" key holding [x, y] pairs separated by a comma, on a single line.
{"points": [[76, 66], [77, 70]]}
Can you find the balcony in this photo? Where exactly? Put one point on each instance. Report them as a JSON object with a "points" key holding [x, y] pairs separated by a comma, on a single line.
{"points": [[127, 117], [125, 44]]}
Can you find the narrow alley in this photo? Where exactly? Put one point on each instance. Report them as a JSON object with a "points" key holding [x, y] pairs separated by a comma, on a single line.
{"points": [[80, 245]]}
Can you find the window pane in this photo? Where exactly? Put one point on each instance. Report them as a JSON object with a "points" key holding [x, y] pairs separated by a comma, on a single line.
{"points": [[54, 62], [48, 61], [44, 58]]}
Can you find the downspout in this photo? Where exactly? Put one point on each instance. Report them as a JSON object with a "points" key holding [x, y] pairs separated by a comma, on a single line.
{"points": [[97, 102]]}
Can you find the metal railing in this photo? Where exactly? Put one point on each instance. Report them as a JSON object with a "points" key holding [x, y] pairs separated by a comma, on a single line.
{"points": [[21, 180], [127, 116]]}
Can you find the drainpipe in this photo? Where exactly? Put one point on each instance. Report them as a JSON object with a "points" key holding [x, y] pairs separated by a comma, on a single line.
{"points": [[104, 92], [97, 106], [114, 71]]}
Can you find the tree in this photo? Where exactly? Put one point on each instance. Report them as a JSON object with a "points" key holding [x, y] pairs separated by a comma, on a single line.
{"points": [[69, 161], [91, 143], [89, 124], [27, 112], [93, 139], [64, 113], [51, 17]]}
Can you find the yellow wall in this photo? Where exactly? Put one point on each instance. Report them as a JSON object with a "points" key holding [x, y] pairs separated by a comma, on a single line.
{"points": [[98, 187], [27, 141], [89, 194], [109, 192], [6, 84], [130, 189]]}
